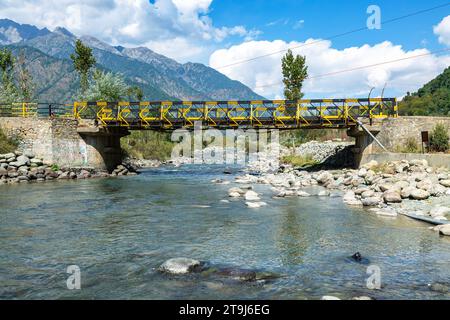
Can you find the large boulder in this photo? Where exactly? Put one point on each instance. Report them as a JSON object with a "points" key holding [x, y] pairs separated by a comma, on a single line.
{"points": [[392, 196], [444, 229], [445, 183], [419, 194], [371, 202], [179, 266], [439, 211], [251, 196]]}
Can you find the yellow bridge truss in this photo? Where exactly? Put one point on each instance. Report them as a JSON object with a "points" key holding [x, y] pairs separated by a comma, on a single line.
{"points": [[170, 115]]}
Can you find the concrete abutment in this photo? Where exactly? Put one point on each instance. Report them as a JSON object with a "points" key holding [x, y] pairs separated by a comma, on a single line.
{"points": [[67, 142]]}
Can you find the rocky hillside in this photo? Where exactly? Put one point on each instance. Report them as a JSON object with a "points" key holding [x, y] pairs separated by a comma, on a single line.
{"points": [[160, 77]]}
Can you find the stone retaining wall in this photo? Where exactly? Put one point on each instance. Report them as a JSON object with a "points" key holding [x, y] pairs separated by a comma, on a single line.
{"points": [[58, 141], [395, 132], [434, 160]]}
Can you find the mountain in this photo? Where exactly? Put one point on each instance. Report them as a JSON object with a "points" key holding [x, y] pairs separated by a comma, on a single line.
{"points": [[433, 99], [12, 32], [160, 77]]}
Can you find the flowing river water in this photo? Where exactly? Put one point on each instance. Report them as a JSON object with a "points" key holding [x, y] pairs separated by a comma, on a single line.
{"points": [[119, 230]]}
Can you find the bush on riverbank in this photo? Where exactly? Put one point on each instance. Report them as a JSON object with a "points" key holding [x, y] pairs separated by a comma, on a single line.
{"points": [[7, 144], [148, 145], [439, 139], [299, 161]]}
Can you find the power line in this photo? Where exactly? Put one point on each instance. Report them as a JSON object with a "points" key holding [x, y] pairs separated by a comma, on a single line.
{"points": [[360, 67], [335, 36]]}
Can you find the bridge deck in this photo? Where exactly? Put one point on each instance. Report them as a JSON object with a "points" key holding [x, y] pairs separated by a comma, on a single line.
{"points": [[170, 115]]}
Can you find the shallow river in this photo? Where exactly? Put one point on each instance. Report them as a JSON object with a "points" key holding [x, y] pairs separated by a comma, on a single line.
{"points": [[118, 231]]}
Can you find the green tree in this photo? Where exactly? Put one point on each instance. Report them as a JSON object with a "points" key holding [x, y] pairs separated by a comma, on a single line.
{"points": [[83, 61], [106, 86], [135, 92], [295, 72], [439, 138], [25, 80], [7, 66]]}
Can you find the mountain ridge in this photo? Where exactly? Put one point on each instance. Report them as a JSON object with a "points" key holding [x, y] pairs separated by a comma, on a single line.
{"points": [[163, 77]]}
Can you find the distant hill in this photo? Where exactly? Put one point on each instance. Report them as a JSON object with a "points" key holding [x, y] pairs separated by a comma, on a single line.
{"points": [[161, 78], [433, 99]]}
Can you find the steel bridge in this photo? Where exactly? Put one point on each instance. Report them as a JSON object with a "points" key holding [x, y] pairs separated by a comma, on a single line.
{"points": [[171, 115]]}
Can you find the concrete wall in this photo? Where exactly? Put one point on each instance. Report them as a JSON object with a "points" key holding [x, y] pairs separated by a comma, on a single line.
{"points": [[58, 141], [394, 132]]}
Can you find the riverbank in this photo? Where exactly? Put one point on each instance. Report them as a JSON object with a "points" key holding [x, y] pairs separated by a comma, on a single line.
{"points": [[384, 189], [18, 167]]}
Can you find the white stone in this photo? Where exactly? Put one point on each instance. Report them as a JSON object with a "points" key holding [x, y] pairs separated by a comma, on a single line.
{"points": [[179, 265], [445, 183], [251, 196], [419, 194], [329, 298], [439, 211], [303, 194]]}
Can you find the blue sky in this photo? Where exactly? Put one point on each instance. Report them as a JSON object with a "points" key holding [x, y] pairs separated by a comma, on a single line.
{"points": [[220, 33], [277, 20]]}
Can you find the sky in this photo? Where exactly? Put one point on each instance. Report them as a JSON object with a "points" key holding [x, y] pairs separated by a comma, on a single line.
{"points": [[224, 33]]}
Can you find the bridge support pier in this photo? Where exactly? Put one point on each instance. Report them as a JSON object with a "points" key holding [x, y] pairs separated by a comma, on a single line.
{"points": [[364, 142], [67, 142]]}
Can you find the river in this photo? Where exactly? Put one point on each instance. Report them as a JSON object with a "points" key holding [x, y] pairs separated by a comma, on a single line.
{"points": [[119, 230]]}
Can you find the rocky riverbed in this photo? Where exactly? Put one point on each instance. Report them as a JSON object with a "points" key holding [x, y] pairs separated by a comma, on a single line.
{"points": [[18, 167], [388, 189]]}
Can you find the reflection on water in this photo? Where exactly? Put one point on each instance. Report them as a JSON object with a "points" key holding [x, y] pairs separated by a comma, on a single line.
{"points": [[119, 230]]}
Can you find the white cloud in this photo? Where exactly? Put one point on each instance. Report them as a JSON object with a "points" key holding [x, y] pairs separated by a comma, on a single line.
{"points": [[260, 74], [443, 31], [131, 22]]}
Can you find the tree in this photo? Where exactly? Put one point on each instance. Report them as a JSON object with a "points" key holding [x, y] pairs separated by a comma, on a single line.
{"points": [[439, 139], [7, 66], [8, 90], [106, 86], [135, 92], [295, 72], [83, 61], [26, 85]]}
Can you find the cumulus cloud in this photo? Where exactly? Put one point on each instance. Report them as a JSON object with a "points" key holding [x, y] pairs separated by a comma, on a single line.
{"points": [[131, 22], [322, 58], [443, 31]]}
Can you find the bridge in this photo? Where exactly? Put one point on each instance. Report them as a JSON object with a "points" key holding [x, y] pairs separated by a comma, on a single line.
{"points": [[170, 115], [88, 133]]}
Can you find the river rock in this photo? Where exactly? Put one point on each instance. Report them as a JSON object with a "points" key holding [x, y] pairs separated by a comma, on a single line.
{"points": [[362, 298], [438, 190], [392, 196], [254, 205], [239, 191], [368, 194], [439, 211], [329, 298], [445, 183], [324, 193], [303, 194], [179, 266], [419, 194], [444, 229], [324, 177], [371, 202], [251, 196]]}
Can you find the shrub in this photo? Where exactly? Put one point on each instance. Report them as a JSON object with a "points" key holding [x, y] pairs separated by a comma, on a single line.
{"points": [[299, 161], [7, 144], [411, 146], [439, 139]]}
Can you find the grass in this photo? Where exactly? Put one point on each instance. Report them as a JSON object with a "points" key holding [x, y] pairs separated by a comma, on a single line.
{"points": [[410, 146], [299, 161], [7, 144]]}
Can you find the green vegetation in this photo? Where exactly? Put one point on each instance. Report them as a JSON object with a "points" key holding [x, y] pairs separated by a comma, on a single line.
{"points": [[299, 161], [433, 99], [294, 71], [148, 145], [9, 91], [83, 61], [439, 139], [106, 86], [410, 146], [6, 144]]}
